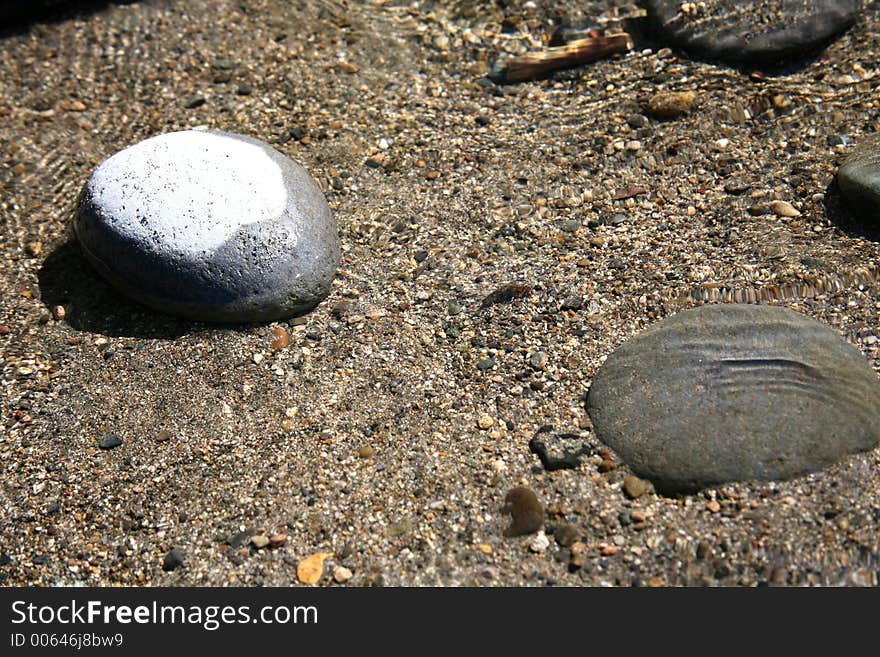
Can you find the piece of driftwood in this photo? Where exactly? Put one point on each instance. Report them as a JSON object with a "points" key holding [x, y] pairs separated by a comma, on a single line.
{"points": [[575, 53]]}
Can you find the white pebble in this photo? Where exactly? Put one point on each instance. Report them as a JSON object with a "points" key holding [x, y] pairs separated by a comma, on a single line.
{"points": [[540, 543]]}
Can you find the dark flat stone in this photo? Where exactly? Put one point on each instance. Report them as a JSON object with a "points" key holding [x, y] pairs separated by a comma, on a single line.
{"points": [[734, 392], [859, 179], [764, 32]]}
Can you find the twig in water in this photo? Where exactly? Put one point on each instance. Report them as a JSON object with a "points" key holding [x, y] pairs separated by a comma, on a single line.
{"points": [[575, 53]]}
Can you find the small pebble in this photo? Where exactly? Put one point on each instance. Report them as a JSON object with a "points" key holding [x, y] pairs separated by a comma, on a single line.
{"points": [[736, 186], [526, 511], [506, 294], [784, 209], [578, 552], [703, 550], [311, 569], [572, 303], [539, 543], [485, 421], [365, 452], [110, 441], [634, 487], [538, 359], [565, 534], [637, 121], [571, 226], [163, 436], [670, 104], [277, 540], [259, 541], [172, 560], [340, 308], [282, 338], [341, 574], [194, 101]]}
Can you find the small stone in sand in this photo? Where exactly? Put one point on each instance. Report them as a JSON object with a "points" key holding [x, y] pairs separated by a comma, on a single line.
{"points": [[281, 338], [172, 559], [341, 574], [634, 487], [670, 104], [110, 441], [485, 421], [539, 543], [784, 209], [311, 569], [526, 511]]}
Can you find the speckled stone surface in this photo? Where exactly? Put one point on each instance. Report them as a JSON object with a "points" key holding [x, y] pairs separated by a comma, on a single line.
{"points": [[734, 392], [756, 33], [211, 226], [859, 179]]}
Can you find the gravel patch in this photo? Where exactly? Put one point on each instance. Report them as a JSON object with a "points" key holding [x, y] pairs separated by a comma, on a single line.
{"points": [[477, 187]]}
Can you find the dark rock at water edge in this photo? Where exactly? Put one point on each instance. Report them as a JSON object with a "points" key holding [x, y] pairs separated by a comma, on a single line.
{"points": [[21, 12], [110, 441], [859, 180], [760, 33], [210, 226], [734, 392]]}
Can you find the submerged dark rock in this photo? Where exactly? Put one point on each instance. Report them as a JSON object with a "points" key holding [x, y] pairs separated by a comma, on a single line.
{"points": [[760, 33], [859, 180], [734, 392]]}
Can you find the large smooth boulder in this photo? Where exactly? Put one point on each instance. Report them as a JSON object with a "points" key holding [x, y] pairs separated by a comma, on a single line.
{"points": [[210, 226], [734, 392]]}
